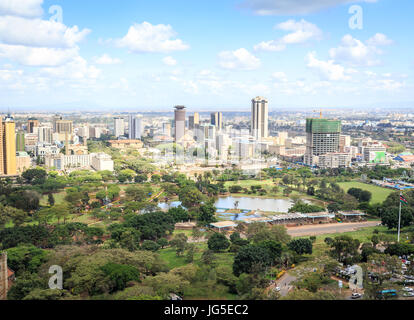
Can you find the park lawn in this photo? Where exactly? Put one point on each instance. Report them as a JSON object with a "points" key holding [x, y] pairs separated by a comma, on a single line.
{"points": [[379, 194], [249, 183], [363, 235], [59, 198]]}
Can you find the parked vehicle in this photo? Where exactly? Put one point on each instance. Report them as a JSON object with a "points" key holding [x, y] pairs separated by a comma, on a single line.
{"points": [[356, 295]]}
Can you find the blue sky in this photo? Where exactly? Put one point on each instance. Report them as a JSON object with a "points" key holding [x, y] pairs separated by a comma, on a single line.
{"points": [[150, 55]]}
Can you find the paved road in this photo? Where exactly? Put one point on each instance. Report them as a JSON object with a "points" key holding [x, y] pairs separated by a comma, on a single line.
{"points": [[284, 284], [329, 228]]}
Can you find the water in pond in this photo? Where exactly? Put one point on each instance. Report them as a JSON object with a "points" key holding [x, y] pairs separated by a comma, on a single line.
{"points": [[248, 203]]}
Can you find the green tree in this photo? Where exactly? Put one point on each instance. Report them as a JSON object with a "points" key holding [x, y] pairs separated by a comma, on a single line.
{"points": [[301, 246], [120, 274], [218, 242]]}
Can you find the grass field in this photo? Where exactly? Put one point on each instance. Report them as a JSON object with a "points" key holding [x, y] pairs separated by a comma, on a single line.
{"points": [[378, 194]]}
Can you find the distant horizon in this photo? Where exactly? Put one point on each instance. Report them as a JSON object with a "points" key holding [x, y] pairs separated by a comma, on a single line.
{"points": [[157, 54]]}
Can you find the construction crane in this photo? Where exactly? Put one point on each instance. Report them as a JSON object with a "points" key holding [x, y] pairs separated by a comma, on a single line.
{"points": [[320, 112]]}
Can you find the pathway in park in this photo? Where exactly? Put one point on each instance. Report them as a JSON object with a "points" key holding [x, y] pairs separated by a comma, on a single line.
{"points": [[312, 230]]}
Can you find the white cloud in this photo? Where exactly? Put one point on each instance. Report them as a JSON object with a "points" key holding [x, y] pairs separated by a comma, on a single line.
{"points": [[30, 56], [24, 8], [43, 33], [146, 37], [105, 59], [169, 61], [328, 70], [279, 76], [301, 32], [271, 45], [379, 40], [77, 69], [293, 7], [240, 59], [354, 52]]}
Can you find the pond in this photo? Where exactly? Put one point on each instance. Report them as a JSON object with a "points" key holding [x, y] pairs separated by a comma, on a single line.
{"points": [[250, 203], [245, 203]]}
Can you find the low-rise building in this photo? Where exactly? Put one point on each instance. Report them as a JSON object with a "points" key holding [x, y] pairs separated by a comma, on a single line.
{"points": [[102, 161], [23, 161], [126, 144]]}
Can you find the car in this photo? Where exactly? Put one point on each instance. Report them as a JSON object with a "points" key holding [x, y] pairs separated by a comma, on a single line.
{"points": [[408, 294], [408, 289], [356, 295], [277, 289], [409, 281]]}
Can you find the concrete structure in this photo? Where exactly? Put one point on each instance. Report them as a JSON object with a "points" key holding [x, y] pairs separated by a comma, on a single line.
{"points": [[217, 120], [179, 123], [126, 144], [223, 225], [193, 121], [344, 142], [322, 137], [63, 162], [166, 129], [102, 161], [32, 124], [334, 160], [23, 161], [45, 135], [46, 149], [119, 127], [8, 147], [260, 118], [351, 215], [135, 127]]}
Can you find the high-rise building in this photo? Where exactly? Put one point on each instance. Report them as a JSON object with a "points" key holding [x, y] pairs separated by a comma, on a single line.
{"points": [[119, 127], [8, 147], [45, 135], [64, 126], [20, 141], [193, 121], [217, 120], [322, 137], [260, 118], [32, 124], [166, 129], [135, 127], [179, 123]]}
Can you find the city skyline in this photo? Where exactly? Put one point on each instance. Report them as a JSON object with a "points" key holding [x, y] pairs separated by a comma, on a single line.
{"points": [[164, 54]]}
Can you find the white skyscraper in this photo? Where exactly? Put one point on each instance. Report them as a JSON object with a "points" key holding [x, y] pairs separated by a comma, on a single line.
{"points": [[260, 118], [119, 127], [135, 126], [45, 135]]}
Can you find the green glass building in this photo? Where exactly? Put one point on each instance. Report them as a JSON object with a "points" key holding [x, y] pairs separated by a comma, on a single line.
{"points": [[20, 143]]}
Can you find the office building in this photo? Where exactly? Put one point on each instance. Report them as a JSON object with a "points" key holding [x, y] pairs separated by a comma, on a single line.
{"points": [[32, 124], [119, 127], [45, 135], [8, 150], [20, 141], [217, 120], [193, 121], [166, 129], [179, 123], [260, 118], [102, 162], [135, 127], [322, 137], [23, 161]]}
